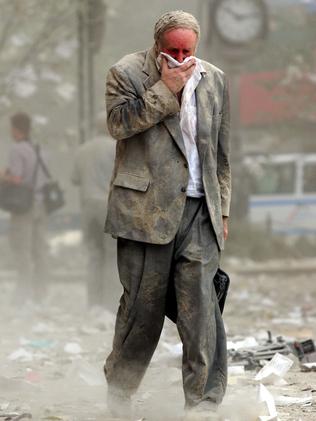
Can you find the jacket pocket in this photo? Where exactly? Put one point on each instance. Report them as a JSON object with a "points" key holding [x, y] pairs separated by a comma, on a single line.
{"points": [[131, 181]]}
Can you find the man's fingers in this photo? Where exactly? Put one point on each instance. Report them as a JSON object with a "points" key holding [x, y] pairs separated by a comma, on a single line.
{"points": [[175, 78], [164, 64], [189, 65]]}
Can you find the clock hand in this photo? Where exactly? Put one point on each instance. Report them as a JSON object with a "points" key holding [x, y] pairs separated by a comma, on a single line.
{"points": [[231, 11], [238, 15]]}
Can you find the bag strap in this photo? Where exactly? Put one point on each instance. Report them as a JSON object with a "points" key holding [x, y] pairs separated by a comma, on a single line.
{"points": [[42, 163], [34, 177]]}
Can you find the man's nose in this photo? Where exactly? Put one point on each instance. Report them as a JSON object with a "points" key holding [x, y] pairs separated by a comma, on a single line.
{"points": [[179, 57]]}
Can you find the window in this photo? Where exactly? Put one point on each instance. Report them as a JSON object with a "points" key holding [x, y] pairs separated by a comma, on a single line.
{"points": [[274, 178], [309, 178]]}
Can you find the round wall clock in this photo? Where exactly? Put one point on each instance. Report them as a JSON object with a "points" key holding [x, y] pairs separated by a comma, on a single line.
{"points": [[240, 22]]}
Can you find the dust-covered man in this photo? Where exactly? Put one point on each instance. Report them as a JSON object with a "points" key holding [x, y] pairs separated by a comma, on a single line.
{"points": [[168, 207]]}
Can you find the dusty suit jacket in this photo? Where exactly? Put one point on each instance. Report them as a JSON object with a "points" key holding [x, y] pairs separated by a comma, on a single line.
{"points": [[148, 187]]}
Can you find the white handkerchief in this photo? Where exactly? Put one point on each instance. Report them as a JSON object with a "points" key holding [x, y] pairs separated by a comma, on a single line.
{"points": [[188, 122], [172, 62]]}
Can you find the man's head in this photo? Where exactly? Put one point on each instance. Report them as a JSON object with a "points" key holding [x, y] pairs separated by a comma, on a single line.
{"points": [[177, 33], [20, 126]]}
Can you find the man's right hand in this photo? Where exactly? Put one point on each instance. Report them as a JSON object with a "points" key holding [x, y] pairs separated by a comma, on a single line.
{"points": [[176, 77]]}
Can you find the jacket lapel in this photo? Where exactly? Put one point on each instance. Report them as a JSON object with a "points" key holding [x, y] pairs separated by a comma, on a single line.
{"points": [[151, 76], [204, 112], [173, 126]]}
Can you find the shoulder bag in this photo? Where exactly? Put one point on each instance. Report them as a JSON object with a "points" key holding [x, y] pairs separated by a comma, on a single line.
{"points": [[53, 195]]}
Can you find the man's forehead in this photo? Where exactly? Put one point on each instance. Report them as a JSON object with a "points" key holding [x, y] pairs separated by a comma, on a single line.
{"points": [[183, 37]]}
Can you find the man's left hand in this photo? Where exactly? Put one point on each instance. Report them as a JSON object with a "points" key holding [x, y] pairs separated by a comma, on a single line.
{"points": [[225, 227]]}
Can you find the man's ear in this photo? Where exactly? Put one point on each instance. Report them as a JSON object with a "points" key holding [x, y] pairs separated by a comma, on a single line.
{"points": [[156, 48]]}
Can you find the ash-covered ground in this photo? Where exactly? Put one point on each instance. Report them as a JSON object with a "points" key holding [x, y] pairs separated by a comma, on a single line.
{"points": [[52, 353]]}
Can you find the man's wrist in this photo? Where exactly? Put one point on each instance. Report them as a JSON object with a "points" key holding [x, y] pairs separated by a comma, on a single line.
{"points": [[173, 93], [168, 97]]}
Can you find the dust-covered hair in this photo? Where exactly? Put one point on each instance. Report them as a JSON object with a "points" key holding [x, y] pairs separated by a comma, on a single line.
{"points": [[174, 20]]}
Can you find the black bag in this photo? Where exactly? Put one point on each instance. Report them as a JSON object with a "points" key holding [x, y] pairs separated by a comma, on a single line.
{"points": [[15, 198], [53, 195], [221, 283]]}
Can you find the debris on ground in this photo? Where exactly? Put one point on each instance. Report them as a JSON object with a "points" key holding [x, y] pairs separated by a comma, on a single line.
{"points": [[274, 371], [16, 417], [52, 356]]}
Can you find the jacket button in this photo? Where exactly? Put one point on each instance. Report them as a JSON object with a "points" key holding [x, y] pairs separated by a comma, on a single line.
{"points": [[183, 189]]}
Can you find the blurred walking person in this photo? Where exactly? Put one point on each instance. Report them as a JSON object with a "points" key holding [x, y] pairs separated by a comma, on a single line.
{"points": [[93, 165], [27, 229]]}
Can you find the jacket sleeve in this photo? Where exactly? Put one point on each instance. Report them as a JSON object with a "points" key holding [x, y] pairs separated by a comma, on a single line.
{"points": [[223, 160], [129, 113]]}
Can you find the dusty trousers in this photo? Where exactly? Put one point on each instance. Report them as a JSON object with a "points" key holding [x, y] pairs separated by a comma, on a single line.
{"points": [[190, 261]]}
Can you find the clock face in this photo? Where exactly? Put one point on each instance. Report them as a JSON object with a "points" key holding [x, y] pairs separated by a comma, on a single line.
{"points": [[239, 21]]}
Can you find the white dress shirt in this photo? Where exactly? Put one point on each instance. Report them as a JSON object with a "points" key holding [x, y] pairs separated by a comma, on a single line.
{"points": [[188, 124]]}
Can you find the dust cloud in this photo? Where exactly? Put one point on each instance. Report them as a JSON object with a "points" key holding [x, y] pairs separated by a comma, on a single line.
{"points": [[54, 338]]}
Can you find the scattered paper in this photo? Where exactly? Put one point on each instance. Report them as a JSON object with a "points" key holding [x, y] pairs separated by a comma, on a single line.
{"points": [[15, 416], [72, 348], [21, 354], [248, 342], [267, 399], [236, 370], [294, 400], [275, 370], [309, 365]]}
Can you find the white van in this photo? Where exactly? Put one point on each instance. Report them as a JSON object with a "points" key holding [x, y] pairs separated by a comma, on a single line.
{"points": [[283, 192]]}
